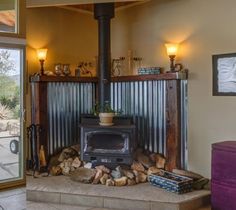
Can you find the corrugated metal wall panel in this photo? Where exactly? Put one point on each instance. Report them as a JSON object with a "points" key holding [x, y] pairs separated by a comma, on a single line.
{"points": [[66, 103], [145, 101]]}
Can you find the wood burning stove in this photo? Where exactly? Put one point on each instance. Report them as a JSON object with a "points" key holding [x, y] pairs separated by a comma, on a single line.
{"points": [[113, 145], [108, 145]]}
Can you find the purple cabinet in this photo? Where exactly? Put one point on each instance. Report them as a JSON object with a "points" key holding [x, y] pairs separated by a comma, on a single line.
{"points": [[224, 176]]}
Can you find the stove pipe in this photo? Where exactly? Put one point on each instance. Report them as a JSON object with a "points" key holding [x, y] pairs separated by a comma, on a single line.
{"points": [[103, 13]]}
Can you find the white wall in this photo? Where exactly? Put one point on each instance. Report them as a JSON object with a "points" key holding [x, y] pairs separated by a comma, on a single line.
{"points": [[203, 27]]}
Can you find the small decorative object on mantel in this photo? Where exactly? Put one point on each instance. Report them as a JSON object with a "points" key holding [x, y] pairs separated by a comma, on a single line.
{"points": [[224, 74], [122, 66], [84, 68], [133, 63], [62, 69], [77, 72], [149, 70], [117, 66], [66, 69], [137, 64], [58, 69]]}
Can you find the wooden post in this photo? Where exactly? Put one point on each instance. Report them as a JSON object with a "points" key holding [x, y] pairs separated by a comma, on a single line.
{"points": [[39, 112], [173, 124]]}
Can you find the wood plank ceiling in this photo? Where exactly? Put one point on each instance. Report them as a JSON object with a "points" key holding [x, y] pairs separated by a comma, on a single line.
{"points": [[89, 7], [8, 17]]}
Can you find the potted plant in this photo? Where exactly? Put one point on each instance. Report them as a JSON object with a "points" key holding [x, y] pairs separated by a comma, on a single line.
{"points": [[106, 115]]}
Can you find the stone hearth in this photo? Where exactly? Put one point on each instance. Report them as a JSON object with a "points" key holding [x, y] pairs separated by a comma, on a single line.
{"points": [[62, 190]]}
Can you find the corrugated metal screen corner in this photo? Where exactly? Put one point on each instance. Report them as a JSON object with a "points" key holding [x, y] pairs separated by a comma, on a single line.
{"points": [[145, 101]]}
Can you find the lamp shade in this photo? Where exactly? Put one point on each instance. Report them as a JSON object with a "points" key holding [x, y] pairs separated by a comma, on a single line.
{"points": [[172, 49], [42, 54]]}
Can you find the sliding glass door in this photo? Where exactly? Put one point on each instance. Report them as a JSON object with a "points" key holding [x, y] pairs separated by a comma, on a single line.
{"points": [[11, 114]]}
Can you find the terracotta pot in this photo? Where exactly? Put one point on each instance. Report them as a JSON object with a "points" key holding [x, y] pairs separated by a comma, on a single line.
{"points": [[106, 119]]}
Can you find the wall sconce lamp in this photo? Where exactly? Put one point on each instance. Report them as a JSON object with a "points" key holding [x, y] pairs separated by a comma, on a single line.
{"points": [[172, 52], [42, 54]]}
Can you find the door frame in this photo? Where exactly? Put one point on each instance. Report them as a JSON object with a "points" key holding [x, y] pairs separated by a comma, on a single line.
{"points": [[19, 44]]}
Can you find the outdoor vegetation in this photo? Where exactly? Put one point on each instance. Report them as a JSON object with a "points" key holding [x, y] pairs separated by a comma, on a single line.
{"points": [[9, 94]]}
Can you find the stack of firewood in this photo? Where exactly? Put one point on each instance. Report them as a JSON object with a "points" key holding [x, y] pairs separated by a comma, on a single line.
{"points": [[68, 163]]}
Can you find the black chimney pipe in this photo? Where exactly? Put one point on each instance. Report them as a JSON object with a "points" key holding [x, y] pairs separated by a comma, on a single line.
{"points": [[104, 13]]}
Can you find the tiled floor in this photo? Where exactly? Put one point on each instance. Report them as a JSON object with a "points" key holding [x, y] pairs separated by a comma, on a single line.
{"points": [[13, 199], [34, 206], [16, 200]]}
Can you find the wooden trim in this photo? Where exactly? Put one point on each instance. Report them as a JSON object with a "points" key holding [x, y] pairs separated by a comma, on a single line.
{"points": [[38, 78], [39, 113], [22, 19], [13, 184], [164, 76], [173, 124]]}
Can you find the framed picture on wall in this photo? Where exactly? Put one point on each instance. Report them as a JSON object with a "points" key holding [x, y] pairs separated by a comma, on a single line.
{"points": [[224, 74]]}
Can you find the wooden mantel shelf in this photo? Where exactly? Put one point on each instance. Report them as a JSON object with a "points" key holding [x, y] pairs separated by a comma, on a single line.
{"points": [[44, 78], [164, 76]]}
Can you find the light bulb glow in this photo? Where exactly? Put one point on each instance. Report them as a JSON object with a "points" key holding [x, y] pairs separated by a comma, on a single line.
{"points": [[42, 54], [171, 49]]}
